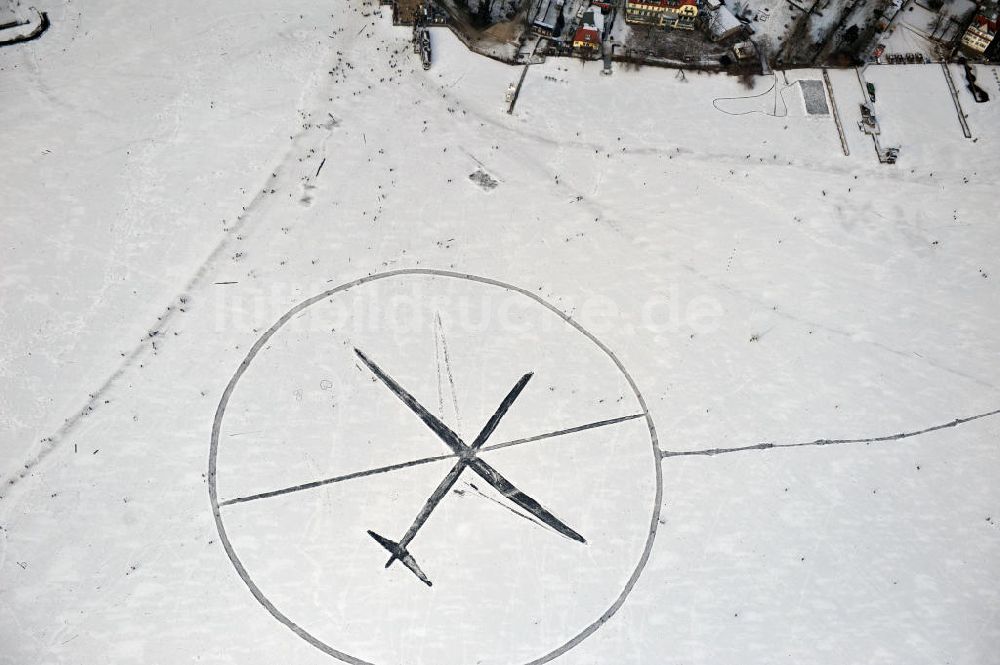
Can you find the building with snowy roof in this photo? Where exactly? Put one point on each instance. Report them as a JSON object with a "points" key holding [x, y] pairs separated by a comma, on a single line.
{"points": [[982, 31], [723, 24], [588, 36], [594, 17], [587, 39], [548, 18]]}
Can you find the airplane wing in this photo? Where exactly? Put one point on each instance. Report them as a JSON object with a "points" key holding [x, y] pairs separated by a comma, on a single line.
{"points": [[494, 420], [505, 487], [443, 431]]}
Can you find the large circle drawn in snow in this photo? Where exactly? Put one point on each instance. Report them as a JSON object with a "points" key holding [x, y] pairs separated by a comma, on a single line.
{"points": [[311, 451]]}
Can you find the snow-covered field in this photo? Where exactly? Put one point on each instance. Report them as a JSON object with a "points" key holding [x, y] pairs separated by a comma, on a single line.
{"points": [[179, 177]]}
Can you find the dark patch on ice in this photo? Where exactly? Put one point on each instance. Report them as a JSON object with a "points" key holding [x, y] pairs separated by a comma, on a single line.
{"points": [[483, 179], [814, 96], [39, 29]]}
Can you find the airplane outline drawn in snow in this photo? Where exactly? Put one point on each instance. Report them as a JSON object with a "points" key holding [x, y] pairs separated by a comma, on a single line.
{"points": [[467, 459]]}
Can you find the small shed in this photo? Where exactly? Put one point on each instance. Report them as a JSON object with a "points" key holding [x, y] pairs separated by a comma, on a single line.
{"points": [[744, 51]]}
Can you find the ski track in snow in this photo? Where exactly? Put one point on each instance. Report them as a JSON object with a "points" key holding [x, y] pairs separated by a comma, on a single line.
{"points": [[311, 140], [828, 442], [303, 144]]}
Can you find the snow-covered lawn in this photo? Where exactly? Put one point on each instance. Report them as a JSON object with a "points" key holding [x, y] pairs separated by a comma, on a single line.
{"points": [[179, 177]]}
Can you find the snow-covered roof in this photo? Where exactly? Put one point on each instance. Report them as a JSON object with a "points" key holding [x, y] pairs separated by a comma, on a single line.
{"points": [[594, 17], [723, 22], [548, 13]]}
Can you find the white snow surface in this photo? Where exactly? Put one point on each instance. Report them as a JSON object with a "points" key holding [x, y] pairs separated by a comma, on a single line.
{"points": [[9, 11], [161, 209]]}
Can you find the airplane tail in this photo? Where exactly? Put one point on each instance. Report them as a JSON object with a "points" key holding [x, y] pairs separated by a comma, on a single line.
{"points": [[400, 553]]}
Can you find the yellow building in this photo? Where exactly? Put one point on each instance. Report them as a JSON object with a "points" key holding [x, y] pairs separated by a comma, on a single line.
{"points": [[663, 13]]}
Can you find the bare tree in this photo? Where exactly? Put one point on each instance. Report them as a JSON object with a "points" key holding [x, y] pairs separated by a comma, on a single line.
{"points": [[765, 47]]}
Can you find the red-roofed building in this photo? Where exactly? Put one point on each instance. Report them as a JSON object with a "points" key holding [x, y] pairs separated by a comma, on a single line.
{"points": [[587, 38], [981, 32], [663, 13], [588, 35]]}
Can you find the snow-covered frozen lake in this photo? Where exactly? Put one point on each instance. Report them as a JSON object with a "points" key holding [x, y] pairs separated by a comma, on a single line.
{"points": [[192, 450]]}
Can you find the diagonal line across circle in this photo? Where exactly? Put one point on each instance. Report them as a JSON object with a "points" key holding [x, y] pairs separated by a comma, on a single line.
{"points": [[425, 460]]}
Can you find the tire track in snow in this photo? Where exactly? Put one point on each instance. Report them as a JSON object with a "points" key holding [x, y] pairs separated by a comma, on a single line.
{"points": [[709, 452], [301, 141]]}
